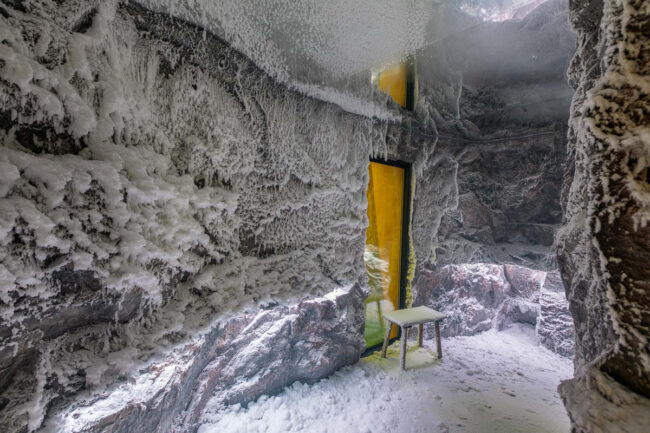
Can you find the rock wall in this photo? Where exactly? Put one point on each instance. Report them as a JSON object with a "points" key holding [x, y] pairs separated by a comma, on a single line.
{"points": [[555, 328], [508, 199], [498, 95], [174, 225], [604, 246], [479, 297]]}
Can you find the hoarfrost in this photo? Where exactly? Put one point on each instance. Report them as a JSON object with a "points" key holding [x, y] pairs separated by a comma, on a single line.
{"points": [[154, 186]]}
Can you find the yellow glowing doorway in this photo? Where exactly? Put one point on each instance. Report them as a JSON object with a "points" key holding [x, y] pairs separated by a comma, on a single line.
{"points": [[384, 243]]}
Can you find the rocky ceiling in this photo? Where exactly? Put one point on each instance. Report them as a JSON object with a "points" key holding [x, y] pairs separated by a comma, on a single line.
{"points": [[328, 49]]}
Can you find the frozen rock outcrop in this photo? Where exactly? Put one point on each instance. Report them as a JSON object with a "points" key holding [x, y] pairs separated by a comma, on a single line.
{"points": [[555, 328], [469, 295], [236, 362], [159, 196], [489, 201], [478, 297], [499, 98], [604, 245]]}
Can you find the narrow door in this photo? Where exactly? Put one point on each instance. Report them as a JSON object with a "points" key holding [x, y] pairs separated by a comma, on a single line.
{"points": [[384, 245]]}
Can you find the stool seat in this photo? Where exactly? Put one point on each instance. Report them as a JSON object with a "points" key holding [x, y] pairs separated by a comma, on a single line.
{"points": [[414, 316], [405, 319]]}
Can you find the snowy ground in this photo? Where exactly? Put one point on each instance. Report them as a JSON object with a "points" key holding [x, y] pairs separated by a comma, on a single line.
{"points": [[501, 382]]}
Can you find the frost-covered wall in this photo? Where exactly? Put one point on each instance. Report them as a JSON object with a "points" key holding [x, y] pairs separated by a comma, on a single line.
{"points": [[479, 297], [487, 206], [503, 204], [604, 246], [175, 227], [497, 93]]}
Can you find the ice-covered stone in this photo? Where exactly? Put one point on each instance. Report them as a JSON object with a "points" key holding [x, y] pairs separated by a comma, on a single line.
{"points": [[253, 354], [469, 295], [500, 104], [508, 208], [170, 220], [522, 305], [604, 245], [478, 297], [554, 323]]}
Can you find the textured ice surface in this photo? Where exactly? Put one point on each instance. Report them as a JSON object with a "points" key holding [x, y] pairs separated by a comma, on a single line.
{"points": [[340, 37], [323, 48], [479, 297], [157, 188], [604, 246]]}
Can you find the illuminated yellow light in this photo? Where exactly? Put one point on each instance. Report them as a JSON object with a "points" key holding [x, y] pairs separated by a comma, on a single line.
{"points": [[383, 246], [392, 80]]}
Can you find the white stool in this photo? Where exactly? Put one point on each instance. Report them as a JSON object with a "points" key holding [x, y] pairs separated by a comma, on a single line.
{"points": [[409, 317]]}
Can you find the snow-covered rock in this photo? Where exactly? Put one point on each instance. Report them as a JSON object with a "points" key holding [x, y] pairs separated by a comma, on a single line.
{"points": [[604, 245], [478, 297], [499, 98], [470, 296], [175, 225], [555, 328], [522, 305], [507, 207], [252, 354]]}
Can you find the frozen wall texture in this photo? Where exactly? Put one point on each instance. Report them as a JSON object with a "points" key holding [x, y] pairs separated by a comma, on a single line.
{"points": [[478, 297], [487, 207], [604, 246], [175, 227], [508, 206], [497, 93]]}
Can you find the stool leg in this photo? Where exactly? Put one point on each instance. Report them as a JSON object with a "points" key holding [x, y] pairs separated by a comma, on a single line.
{"points": [[386, 337], [402, 360], [420, 332], [438, 342]]}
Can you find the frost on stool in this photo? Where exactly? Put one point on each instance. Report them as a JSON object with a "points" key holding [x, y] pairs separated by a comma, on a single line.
{"points": [[407, 318]]}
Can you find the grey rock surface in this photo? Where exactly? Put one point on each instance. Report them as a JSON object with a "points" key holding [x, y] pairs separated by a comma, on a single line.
{"points": [[479, 297], [470, 296], [555, 329], [498, 95], [243, 358], [604, 245], [171, 219], [508, 207]]}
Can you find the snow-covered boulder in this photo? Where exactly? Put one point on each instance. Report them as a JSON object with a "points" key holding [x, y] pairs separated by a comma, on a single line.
{"points": [[470, 296], [478, 297], [522, 305], [244, 357], [554, 323]]}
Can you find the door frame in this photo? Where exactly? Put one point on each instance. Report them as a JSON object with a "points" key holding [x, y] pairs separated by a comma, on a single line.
{"points": [[405, 244]]}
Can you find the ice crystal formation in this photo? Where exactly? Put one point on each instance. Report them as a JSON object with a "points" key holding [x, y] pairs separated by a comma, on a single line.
{"points": [[183, 197]]}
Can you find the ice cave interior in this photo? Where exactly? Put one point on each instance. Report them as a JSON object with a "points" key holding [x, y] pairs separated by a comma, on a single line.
{"points": [[207, 208]]}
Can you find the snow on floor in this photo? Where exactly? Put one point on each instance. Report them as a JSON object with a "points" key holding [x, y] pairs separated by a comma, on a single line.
{"points": [[492, 382]]}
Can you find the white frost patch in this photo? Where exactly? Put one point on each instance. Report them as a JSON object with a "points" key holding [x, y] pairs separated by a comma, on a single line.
{"points": [[492, 382]]}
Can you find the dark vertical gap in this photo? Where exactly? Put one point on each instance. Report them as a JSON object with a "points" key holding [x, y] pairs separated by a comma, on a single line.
{"points": [[404, 253], [410, 85], [410, 93]]}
